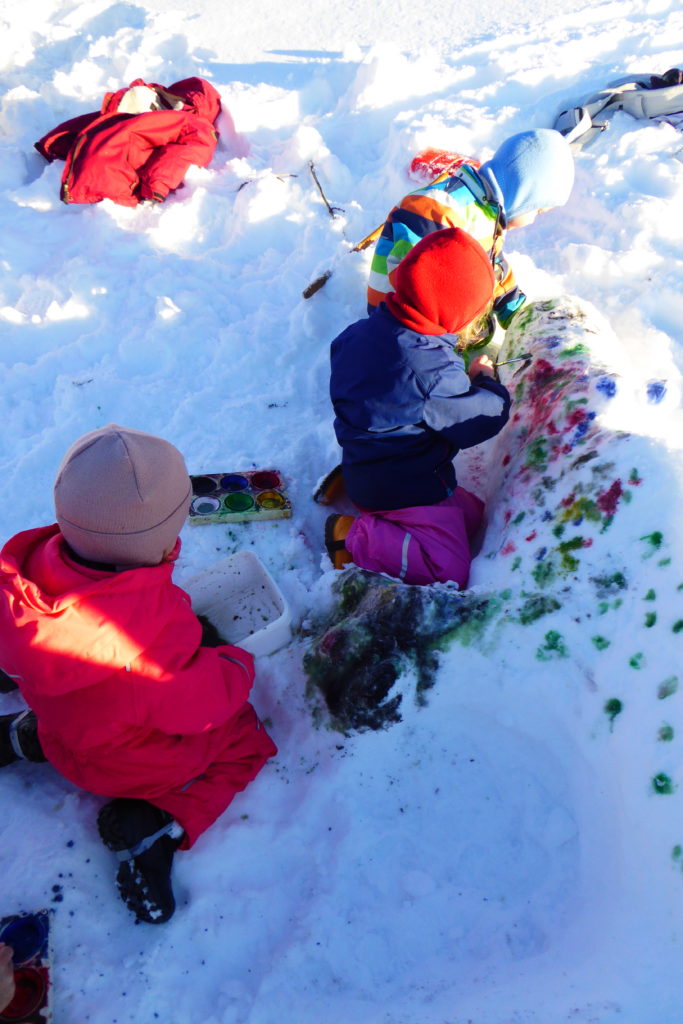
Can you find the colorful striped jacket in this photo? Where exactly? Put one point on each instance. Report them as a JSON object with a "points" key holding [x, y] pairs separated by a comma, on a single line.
{"points": [[460, 200]]}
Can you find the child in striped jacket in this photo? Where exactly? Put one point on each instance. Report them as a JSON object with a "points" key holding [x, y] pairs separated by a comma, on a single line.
{"points": [[530, 173]]}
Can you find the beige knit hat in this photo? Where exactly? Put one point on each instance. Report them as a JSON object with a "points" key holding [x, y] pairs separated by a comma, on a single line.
{"points": [[122, 496]]}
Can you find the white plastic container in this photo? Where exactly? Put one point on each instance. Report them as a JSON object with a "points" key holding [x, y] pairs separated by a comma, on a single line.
{"points": [[244, 603]]}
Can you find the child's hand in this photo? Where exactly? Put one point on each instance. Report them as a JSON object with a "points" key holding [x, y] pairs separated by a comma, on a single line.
{"points": [[481, 364], [6, 976]]}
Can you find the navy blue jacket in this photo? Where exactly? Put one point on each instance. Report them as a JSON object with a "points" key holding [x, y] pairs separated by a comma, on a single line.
{"points": [[404, 407]]}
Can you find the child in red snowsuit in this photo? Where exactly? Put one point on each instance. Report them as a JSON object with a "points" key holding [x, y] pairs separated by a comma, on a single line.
{"points": [[125, 699]]}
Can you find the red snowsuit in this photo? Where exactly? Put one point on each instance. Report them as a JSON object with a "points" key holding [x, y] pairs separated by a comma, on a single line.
{"points": [[129, 704], [131, 157]]}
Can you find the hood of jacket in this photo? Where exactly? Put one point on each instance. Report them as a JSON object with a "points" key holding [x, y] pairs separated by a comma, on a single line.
{"points": [[79, 625], [443, 284], [191, 94]]}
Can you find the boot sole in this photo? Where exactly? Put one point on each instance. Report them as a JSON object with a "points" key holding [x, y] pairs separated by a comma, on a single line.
{"points": [[130, 881]]}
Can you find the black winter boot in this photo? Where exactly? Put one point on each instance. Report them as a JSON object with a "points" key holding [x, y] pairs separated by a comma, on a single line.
{"points": [[138, 833], [19, 738], [7, 684]]}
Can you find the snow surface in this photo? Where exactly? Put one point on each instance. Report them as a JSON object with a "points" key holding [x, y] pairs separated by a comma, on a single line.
{"points": [[501, 856]]}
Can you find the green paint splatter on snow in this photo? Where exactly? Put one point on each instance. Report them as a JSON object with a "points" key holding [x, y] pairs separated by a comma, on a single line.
{"points": [[576, 350], [650, 619], [582, 508], [603, 607], [558, 530], [661, 783], [568, 562], [627, 497], [472, 627], [650, 596], [517, 561], [636, 661], [666, 733], [523, 317], [663, 562], [617, 604], [600, 642], [667, 688], [677, 851], [536, 606], [655, 541], [544, 573], [613, 707], [635, 477], [518, 518], [680, 586], [610, 583], [677, 626], [537, 453], [554, 647]]}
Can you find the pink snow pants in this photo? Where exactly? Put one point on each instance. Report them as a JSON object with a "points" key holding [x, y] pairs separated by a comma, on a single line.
{"points": [[423, 544]]}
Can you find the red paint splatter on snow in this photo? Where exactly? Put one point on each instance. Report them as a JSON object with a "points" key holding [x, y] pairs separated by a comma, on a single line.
{"points": [[542, 371], [576, 416], [506, 459], [508, 516], [608, 500], [587, 542], [569, 500], [532, 536], [508, 548]]}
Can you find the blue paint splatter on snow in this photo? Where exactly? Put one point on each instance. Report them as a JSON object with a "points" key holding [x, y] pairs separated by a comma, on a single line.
{"points": [[547, 516], [608, 386], [541, 553], [656, 389], [583, 426]]}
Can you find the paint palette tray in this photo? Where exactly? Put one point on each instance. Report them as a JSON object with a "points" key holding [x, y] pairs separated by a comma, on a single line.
{"points": [[239, 497], [243, 602], [29, 937]]}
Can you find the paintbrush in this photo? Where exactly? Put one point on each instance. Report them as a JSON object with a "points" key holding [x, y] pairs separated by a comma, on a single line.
{"points": [[516, 359]]}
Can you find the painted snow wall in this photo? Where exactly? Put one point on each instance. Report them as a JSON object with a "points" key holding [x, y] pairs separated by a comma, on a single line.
{"points": [[567, 491]]}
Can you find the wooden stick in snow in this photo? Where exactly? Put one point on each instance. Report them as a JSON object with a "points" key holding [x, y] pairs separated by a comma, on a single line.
{"points": [[316, 285]]}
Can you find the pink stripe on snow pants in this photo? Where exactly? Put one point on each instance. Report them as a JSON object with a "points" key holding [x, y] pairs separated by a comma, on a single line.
{"points": [[423, 544]]}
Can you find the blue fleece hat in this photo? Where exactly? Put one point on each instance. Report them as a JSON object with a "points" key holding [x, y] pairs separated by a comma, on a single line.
{"points": [[532, 171]]}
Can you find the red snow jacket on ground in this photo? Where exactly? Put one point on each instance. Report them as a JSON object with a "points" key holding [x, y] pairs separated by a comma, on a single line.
{"points": [[131, 157], [128, 701]]}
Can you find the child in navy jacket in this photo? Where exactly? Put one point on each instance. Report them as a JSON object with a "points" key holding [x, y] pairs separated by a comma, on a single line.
{"points": [[405, 406]]}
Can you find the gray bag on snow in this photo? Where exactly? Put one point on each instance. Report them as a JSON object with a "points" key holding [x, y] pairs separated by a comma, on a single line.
{"points": [[647, 97]]}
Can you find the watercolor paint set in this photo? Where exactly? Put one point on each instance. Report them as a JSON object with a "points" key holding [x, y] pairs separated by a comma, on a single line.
{"points": [[28, 935], [239, 497]]}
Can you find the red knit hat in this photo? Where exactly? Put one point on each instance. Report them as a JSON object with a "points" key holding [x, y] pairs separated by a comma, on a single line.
{"points": [[443, 284]]}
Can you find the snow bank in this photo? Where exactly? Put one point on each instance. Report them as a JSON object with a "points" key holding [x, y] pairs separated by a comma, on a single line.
{"points": [[502, 855]]}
